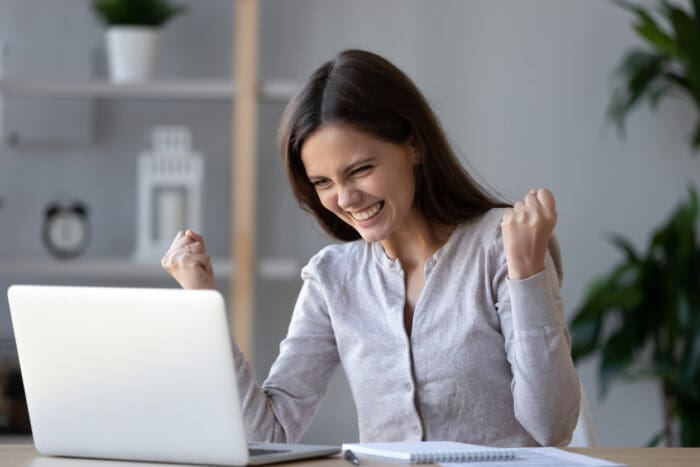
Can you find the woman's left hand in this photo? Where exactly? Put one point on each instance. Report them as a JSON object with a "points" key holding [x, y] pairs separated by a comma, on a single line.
{"points": [[527, 228]]}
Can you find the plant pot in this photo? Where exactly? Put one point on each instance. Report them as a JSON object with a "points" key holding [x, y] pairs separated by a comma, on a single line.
{"points": [[131, 53]]}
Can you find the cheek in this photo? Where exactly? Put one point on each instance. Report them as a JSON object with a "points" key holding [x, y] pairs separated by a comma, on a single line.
{"points": [[327, 199], [402, 187]]}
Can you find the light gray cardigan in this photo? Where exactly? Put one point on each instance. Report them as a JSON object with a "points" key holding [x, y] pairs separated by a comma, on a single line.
{"points": [[487, 361]]}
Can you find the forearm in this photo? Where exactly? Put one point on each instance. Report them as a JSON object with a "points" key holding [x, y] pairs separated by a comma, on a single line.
{"points": [[546, 390], [283, 408], [258, 411]]}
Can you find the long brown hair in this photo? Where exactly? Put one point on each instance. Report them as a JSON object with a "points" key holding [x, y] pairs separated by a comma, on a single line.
{"points": [[366, 91]]}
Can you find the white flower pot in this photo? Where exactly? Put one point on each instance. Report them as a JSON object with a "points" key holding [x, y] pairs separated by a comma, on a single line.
{"points": [[131, 53]]}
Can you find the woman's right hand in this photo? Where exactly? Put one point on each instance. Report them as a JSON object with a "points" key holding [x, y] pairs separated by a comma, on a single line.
{"points": [[188, 263]]}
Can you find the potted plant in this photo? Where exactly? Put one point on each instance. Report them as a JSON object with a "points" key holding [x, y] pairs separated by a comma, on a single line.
{"points": [[643, 318], [132, 34]]}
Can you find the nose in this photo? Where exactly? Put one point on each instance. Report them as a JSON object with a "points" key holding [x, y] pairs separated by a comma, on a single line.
{"points": [[348, 196]]}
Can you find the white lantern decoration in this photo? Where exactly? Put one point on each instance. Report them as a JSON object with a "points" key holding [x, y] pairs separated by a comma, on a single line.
{"points": [[169, 194]]}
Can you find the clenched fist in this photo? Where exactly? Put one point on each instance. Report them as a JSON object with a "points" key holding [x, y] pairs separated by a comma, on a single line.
{"points": [[527, 228], [188, 262]]}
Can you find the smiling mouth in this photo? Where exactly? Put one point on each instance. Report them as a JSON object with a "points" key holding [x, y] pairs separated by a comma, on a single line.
{"points": [[368, 213]]}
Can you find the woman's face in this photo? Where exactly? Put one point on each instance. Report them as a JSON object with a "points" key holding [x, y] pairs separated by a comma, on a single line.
{"points": [[365, 181]]}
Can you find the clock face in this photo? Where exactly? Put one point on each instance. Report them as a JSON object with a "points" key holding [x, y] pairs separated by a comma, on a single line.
{"points": [[65, 231]]}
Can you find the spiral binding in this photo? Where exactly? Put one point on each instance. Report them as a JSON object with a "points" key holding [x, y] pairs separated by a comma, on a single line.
{"points": [[462, 456]]}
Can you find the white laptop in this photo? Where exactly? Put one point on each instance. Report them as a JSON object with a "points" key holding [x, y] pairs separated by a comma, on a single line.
{"points": [[134, 374]]}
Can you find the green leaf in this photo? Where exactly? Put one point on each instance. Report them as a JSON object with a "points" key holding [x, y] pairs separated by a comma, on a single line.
{"points": [[649, 29], [689, 364], [623, 244], [616, 357], [608, 295], [684, 313], [610, 292], [638, 70], [687, 38], [696, 13], [584, 338], [657, 90], [679, 229], [695, 138], [136, 12], [678, 80], [687, 409], [655, 440]]}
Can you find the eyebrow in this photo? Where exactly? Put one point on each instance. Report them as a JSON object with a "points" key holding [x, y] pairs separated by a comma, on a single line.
{"points": [[347, 169]]}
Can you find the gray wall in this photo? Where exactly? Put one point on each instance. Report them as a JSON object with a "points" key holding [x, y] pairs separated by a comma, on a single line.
{"points": [[521, 88]]}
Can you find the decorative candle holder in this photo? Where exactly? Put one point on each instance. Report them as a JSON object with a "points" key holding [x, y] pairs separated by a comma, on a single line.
{"points": [[169, 194]]}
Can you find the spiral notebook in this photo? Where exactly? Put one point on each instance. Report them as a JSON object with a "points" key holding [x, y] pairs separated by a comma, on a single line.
{"points": [[432, 452]]}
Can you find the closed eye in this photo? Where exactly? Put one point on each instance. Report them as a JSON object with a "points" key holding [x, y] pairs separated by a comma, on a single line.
{"points": [[360, 170], [320, 182]]}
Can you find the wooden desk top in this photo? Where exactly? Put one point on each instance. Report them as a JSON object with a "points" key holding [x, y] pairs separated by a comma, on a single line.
{"points": [[646, 457], [24, 455]]}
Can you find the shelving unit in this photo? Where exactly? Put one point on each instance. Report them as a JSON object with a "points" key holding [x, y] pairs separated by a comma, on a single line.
{"points": [[244, 130], [117, 268], [244, 93], [269, 91]]}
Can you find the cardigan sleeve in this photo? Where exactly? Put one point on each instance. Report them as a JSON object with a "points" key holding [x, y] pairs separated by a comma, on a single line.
{"points": [[545, 386], [282, 409]]}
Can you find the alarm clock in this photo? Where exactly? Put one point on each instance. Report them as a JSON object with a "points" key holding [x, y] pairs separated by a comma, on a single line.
{"points": [[65, 231]]}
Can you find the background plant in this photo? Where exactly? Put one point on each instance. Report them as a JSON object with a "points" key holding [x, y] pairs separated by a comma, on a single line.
{"points": [[135, 12], [671, 62], [643, 317]]}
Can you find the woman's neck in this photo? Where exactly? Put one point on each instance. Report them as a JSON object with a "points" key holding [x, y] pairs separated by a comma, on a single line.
{"points": [[416, 241]]}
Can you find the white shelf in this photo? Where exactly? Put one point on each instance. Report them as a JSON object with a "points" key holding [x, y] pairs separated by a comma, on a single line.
{"points": [[123, 268], [271, 91]]}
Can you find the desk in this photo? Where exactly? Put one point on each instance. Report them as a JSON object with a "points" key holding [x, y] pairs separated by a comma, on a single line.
{"points": [[16, 455]]}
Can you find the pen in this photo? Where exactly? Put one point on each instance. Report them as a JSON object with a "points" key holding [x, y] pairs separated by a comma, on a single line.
{"points": [[351, 457]]}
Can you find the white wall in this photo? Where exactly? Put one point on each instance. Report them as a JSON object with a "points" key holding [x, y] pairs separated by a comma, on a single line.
{"points": [[521, 88]]}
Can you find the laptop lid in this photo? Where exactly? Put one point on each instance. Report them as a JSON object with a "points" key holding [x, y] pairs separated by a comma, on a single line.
{"points": [[124, 373]]}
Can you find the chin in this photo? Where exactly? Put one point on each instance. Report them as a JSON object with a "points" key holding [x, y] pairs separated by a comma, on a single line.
{"points": [[371, 237]]}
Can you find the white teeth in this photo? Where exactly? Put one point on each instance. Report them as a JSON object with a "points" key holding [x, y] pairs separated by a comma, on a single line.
{"points": [[364, 215]]}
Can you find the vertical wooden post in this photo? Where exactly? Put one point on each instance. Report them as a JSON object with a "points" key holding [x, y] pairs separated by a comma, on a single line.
{"points": [[244, 176]]}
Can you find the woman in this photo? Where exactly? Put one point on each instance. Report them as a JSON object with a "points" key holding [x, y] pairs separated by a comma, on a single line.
{"points": [[442, 305]]}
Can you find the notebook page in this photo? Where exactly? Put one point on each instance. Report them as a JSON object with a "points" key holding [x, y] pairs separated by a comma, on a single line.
{"points": [[422, 451], [532, 457]]}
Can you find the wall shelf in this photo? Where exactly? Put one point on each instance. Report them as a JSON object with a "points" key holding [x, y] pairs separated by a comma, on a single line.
{"points": [[244, 91], [269, 91], [113, 268]]}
